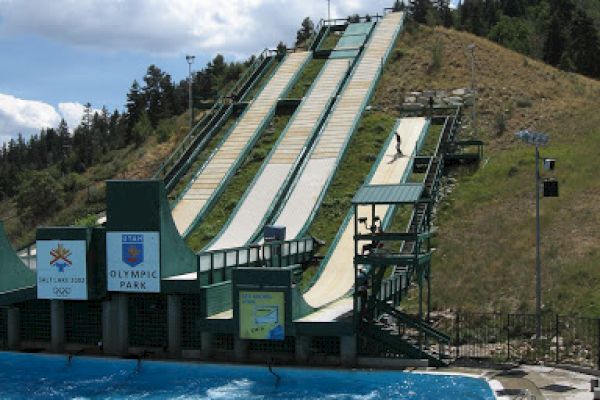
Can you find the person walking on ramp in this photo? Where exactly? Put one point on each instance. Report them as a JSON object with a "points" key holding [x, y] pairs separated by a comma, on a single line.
{"points": [[398, 149]]}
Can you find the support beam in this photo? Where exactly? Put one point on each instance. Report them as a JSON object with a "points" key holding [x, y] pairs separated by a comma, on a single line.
{"points": [[206, 343], [109, 328], [57, 326], [348, 351], [302, 349], [120, 302], [174, 324], [14, 328], [240, 349]]}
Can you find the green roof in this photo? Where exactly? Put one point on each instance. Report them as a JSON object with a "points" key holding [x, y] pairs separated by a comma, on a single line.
{"points": [[406, 193]]}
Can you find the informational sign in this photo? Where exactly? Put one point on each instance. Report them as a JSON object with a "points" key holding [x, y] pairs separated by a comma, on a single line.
{"points": [[262, 315], [133, 262], [61, 269]]}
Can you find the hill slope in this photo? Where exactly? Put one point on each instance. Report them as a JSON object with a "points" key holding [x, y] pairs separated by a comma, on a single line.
{"points": [[486, 238]]}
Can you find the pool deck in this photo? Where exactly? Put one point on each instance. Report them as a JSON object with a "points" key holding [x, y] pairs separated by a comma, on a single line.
{"points": [[543, 382]]}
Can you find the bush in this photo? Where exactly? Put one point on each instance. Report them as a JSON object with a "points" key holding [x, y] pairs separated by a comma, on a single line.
{"points": [[437, 53], [39, 196], [500, 123], [524, 102]]}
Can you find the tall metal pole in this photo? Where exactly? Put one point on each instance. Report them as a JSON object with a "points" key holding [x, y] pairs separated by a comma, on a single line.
{"points": [[473, 92], [538, 267], [190, 61], [329, 10]]}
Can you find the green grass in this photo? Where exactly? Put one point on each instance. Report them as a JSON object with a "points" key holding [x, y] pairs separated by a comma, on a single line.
{"points": [[232, 194], [308, 75], [330, 41]]}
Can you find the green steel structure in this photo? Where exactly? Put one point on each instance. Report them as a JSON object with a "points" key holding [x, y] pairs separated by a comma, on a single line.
{"points": [[241, 303]]}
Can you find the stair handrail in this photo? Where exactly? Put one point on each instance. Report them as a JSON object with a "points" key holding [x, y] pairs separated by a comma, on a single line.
{"points": [[210, 115], [413, 322]]}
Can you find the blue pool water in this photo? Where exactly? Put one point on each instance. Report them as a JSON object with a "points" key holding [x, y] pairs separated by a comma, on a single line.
{"points": [[25, 376]]}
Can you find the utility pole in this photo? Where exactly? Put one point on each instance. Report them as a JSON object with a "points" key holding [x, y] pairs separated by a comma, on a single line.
{"points": [[190, 61], [538, 264], [537, 139], [471, 47]]}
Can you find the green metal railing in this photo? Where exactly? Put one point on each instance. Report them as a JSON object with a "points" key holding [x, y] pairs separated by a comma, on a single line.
{"points": [[171, 169], [219, 263]]}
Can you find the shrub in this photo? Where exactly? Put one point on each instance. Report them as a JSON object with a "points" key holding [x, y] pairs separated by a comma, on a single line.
{"points": [[437, 53], [524, 102]]}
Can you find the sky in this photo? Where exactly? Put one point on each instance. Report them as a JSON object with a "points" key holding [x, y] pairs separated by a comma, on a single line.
{"points": [[58, 55]]}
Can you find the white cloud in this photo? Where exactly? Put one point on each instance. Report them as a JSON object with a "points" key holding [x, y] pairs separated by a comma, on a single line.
{"points": [[25, 116], [172, 26], [72, 113], [28, 117]]}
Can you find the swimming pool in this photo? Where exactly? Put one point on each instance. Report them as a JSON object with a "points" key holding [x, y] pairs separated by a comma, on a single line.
{"points": [[26, 376]]}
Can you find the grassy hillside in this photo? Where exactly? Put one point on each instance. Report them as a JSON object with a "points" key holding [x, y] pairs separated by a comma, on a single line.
{"points": [[486, 239], [85, 193]]}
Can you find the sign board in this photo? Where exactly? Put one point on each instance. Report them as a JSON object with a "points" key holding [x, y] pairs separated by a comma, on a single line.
{"points": [[262, 315], [61, 269], [133, 262]]}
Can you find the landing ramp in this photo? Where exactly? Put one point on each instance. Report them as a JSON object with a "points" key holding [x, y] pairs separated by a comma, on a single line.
{"points": [[337, 269], [203, 189]]}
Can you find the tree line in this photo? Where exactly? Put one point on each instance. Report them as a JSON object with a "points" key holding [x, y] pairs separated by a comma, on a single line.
{"points": [[563, 33], [42, 172]]}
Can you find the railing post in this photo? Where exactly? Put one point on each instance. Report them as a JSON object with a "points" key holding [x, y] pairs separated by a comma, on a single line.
{"points": [[457, 327], [557, 332], [598, 342], [508, 337]]}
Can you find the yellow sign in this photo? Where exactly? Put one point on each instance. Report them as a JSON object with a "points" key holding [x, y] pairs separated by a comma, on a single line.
{"points": [[262, 315]]}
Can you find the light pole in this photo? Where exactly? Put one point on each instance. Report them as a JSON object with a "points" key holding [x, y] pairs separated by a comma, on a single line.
{"points": [[471, 47], [328, 11], [537, 139], [190, 61]]}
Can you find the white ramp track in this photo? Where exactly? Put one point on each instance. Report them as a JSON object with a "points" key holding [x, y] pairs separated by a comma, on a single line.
{"points": [[213, 173], [258, 199], [323, 160], [337, 277]]}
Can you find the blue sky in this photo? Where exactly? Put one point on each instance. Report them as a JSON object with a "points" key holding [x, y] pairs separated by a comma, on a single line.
{"points": [[60, 54]]}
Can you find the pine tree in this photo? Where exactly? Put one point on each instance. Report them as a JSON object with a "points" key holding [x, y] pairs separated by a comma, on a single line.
{"points": [[584, 47], [554, 45], [420, 9], [306, 30]]}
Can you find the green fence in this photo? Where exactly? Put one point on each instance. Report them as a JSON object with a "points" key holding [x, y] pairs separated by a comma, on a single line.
{"points": [[223, 342], [190, 315], [35, 320], [83, 322], [512, 337], [217, 264], [288, 345], [148, 320], [3, 329], [325, 345]]}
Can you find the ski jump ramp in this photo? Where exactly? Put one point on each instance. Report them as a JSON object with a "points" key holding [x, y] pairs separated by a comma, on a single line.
{"points": [[202, 192], [258, 199], [337, 269], [309, 189], [277, 172]]}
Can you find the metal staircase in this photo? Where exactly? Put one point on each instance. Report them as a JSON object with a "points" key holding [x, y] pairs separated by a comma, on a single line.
{"points": [[399, 334]]}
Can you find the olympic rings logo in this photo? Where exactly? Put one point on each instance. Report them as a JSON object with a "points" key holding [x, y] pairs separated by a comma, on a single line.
{"points": [[61, 291]]}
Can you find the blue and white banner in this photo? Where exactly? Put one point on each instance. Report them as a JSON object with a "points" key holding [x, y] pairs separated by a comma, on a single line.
{"points": [[133, 262], [61, 270]]}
